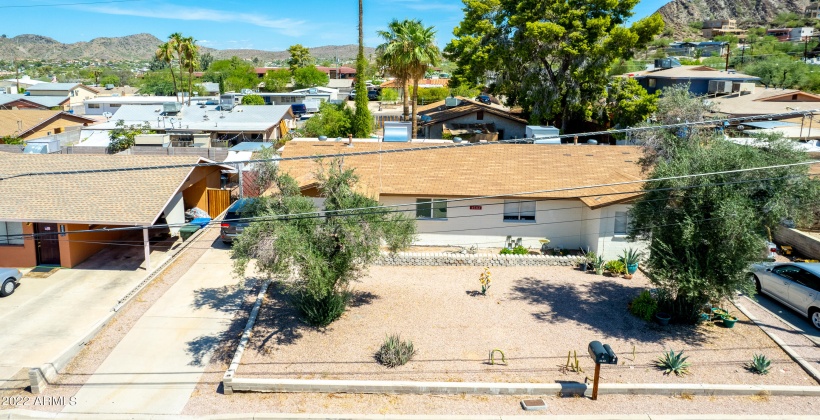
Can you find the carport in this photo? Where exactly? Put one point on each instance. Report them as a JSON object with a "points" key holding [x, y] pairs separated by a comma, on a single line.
{"points": [[61, 209]]}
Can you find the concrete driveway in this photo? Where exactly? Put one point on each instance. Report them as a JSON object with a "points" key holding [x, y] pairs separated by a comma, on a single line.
{"points": [[157, 365], [787, 314], [45, 316]]}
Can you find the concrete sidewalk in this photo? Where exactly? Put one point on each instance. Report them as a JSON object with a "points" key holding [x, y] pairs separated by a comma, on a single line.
{"points": [[157, 365]]}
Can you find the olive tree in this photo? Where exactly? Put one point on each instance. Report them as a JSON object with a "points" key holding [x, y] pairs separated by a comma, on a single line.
{"points": [[319, 252]]}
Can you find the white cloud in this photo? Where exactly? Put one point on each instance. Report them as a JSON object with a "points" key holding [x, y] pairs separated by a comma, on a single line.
{"points": [[285, 26]]}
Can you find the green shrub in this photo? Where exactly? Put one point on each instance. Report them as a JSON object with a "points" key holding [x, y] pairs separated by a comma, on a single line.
{"points": [[253, 100], [395, 352], [644, 306], [615, 267], [320, 312], [520, 250], [506, 251]]}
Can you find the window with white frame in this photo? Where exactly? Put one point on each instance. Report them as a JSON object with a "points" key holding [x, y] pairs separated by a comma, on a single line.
{"points": [[93, 106], [11, 233], [517, 210], [428, 208], [622, 223]]}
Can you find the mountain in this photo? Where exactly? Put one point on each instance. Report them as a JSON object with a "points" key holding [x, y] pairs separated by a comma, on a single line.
{"points": [[140, 47], [677, 14]]}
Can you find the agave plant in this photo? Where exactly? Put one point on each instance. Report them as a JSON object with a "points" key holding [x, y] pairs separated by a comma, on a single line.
{"points": [[760, 364], [673, 363]]}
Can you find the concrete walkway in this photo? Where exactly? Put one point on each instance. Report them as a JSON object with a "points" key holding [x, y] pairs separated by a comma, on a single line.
{"points": [[45, 316], [157, 365]]}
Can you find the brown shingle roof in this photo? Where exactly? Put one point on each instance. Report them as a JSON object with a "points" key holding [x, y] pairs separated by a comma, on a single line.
{"points": [[116, 198], [18, 123], [455, 112], [494, 169]]}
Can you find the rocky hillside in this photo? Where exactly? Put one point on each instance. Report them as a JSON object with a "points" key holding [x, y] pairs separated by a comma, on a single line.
{"points": [[138, 47], [679, 13]]}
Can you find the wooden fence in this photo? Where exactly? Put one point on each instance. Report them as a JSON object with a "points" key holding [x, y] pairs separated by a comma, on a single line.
{"points": [[218, 201]]}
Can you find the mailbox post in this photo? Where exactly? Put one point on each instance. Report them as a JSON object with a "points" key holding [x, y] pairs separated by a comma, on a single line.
{"points": [[600, 354]]}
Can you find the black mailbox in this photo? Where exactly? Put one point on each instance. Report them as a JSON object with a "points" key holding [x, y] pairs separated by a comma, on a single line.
{"points": [[602, 353]]}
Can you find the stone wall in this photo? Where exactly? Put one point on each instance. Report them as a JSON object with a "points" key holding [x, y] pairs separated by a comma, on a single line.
{"points": [[479, 260]]}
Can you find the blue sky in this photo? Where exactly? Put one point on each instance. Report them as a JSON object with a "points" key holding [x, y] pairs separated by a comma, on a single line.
{"points": [[257, 24]]}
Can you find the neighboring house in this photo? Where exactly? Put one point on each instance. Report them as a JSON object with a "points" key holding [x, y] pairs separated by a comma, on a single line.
{"points": [[761, 101], [322, 93], [110, 90], [203, 125], [112, 104], [303, 96], [791, 34], [76, 92], [211, 88], [24, 82], [699, 78], [423, 83], [54, 206], [594, 218], [716, 27], [342, 72], [812, 10], [20, 101], [472, 121], [342, 85], [30, 124]]}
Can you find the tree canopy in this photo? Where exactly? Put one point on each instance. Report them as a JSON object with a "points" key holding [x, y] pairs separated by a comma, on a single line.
{"points": [[549, 56], [122, 137], [309, 76], [319, 256], [333, 120], [299, 57], [277, 80], [234, 74], [705, 231], [253, 100], [628, 103]]}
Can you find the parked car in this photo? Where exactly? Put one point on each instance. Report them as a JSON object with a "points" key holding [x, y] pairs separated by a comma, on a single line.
{"points": [[771, 251], [298, 109], [796, 285], [372, 95], [235, 220], [352, 96], [11, 279], [484, 99]]}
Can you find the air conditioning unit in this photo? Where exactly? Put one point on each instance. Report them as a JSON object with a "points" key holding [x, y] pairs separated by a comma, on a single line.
{"points": [[171, 107], [160, 140], [451, 102], [720, 86], [743, 88]]}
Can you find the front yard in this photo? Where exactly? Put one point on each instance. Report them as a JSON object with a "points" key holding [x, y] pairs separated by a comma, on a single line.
{"points": [[535, 315]]}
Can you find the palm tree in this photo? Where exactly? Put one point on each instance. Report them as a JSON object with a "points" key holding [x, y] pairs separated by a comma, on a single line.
{"points": [[391, 55], [165, 54], [422, 54], [177, 42], [362, 122], [190, 61]]}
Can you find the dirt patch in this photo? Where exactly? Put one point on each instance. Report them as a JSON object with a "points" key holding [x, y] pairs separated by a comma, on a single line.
{"points": [[535, 315]]}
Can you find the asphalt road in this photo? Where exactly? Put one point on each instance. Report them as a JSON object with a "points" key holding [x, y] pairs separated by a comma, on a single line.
{"points": [[790, 316]]}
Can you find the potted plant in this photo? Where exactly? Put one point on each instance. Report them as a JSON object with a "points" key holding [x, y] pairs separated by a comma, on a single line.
{"points": [[598, 265], [631, 258], [663, 318], [729, 320]]}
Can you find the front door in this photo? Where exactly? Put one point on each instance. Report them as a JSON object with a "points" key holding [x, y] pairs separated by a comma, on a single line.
{"points": [[48, 246]]}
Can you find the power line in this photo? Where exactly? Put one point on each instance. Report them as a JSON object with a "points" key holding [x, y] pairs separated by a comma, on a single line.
{"points": [[415, 149], [377, 209]]}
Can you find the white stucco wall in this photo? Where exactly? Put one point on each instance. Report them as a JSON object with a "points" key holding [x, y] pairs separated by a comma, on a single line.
{"points": [[610, 245], [512, 129], [175, 213]]}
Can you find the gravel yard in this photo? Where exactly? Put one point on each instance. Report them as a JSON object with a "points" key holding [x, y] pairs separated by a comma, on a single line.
{"points": [[534, 314]]}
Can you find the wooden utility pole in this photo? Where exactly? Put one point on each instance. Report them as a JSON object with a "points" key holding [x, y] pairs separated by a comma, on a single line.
{"points": [[728, 53]]}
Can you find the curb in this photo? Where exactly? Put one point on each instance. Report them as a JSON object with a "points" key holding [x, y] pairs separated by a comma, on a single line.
{"points": [[793, 354], [790, 325], [228, 377], [29, 414], [40, 376]]}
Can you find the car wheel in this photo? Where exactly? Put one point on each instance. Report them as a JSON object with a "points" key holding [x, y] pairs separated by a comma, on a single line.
{"points": [[8, 287], [814, 316], [758, 288]]}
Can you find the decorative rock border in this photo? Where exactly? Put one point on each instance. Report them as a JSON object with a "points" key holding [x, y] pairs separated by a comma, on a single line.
{"points": [[478, 260]]}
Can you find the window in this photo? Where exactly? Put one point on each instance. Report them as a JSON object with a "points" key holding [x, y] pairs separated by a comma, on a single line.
{"points": [[114, 105], [788, 271], [622, 223], [651, 82], [93, 106], [515, 210], [428, 208], [11, 233], [479, 115]]}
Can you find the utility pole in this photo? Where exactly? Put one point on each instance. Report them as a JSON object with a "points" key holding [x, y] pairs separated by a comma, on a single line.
{"points": [[742, 53], [728, 53], [806, 50]]}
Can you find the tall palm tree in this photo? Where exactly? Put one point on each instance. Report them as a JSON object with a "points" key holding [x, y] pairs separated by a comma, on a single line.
{"points": [[362, 122], [165, 54], [190, 61], [177, 42], [391, 55], [422, 54]]}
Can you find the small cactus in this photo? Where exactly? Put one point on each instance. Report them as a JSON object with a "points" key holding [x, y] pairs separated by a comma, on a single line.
{"points": [[760, 364]]}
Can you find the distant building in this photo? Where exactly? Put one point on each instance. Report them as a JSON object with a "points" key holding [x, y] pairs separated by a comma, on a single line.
{"points": [[717, 27], [812, 10], [704, 49], [791, 34], [31, 124], [76, 92], [342, 72], [702, 80]]}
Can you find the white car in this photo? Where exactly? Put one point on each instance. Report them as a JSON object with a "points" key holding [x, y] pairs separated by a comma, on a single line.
{"points": [[10, 278], [796, 285]]}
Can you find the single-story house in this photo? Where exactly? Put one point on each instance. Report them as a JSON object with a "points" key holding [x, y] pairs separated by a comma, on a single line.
{"points": [[30, 124], [518, 190], [53, 218], [24, 82], [322, 93], [761, 101], [423, 83], [342, 72], [20, 101], [698, 78], [342, 85], [75, 92], [472, 121], [205, 125]]}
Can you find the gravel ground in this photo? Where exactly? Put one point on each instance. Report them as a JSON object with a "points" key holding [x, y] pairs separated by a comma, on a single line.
{"points": [[793, 338], [98, 349], [535, 315]]}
